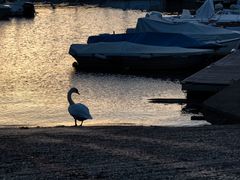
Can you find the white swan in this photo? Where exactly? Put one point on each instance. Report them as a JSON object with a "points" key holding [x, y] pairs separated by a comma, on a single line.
{"points": [[78, 111]]}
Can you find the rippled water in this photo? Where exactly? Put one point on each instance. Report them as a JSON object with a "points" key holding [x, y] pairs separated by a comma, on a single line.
{"points": [[36, 73]]}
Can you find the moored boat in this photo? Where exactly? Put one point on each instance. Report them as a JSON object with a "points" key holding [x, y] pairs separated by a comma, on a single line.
{"points": [[18, 9], [132, 56], [206, 14], [228, 39], [5, 11]]}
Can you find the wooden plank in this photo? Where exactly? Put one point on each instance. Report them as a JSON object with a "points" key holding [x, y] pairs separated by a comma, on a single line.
{"points": [[168, 101], [221, 73]]}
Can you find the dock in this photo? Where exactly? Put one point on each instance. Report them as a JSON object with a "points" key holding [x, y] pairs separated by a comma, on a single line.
{"points": [[220, 81], [216, 76], [223, 107]]}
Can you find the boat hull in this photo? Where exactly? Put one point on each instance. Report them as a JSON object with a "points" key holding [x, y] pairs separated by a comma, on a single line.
{"points": [[228, 47], [159, 63], [132, 56]]}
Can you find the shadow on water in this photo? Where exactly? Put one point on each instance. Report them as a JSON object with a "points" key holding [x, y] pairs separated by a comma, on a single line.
{"points": [[198, 112], [163, 75], [189, 106]]}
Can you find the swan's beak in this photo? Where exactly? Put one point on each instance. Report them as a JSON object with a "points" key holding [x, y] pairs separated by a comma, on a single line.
{"points": [[78, 93]]}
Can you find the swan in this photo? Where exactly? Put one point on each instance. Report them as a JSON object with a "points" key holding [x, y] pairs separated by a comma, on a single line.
{"points": [[78, 111]]}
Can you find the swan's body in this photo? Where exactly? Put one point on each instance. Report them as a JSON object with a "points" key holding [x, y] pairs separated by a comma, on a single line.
{"points": [[78, 111]]}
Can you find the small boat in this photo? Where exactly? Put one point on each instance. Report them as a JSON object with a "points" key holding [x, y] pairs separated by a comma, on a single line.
{"points": [[132, 56], [5, 11], [218, 16], [206, 14], [226, 18], [205, 33], [19, 9]]}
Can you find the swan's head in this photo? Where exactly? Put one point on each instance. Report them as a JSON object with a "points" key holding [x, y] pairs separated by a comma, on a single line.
{"points": [[74, 90]]}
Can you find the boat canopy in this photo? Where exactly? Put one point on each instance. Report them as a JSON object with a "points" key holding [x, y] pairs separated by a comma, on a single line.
{"points": [[156, 39], [129, 49], [195, 30]]}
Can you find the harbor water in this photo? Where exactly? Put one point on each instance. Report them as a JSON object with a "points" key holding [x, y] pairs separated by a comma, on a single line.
{"points": [[36, 73]]}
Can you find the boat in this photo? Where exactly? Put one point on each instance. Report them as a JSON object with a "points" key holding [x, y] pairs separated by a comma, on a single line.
{"points": [[5, 11], [20, 9], [205, 33], [217, 15], [132, 56], [208, 14], [226, 18]]}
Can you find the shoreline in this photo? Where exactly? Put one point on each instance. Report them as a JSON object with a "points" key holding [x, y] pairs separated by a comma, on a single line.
{"points": [[120, 152], [103, 126]]}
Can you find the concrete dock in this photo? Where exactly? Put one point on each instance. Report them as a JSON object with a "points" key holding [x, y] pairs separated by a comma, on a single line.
{"points": [[221, 80], [224, 107], [216, 76]]}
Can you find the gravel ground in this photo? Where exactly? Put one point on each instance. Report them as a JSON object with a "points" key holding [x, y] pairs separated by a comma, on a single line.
{"points": [[209, 152]]}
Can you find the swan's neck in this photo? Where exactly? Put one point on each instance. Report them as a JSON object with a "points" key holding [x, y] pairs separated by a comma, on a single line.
{"points": [[69, 97]]}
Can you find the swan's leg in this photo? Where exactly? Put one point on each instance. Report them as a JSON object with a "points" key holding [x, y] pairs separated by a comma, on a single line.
{"points": [[75, 122], [81, 123]]}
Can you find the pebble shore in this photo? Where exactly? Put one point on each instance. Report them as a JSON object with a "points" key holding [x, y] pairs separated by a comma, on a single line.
{"points": [[120, 152]]}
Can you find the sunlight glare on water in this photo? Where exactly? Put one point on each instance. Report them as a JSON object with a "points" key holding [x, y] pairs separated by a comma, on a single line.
{"points": [[36, 73]]}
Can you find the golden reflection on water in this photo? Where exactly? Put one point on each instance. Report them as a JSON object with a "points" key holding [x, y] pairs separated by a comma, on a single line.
{"points": [[36, 73]]}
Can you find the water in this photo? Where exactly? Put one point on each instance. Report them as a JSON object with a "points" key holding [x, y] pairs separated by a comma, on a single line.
{"points": [[36, 73]]}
